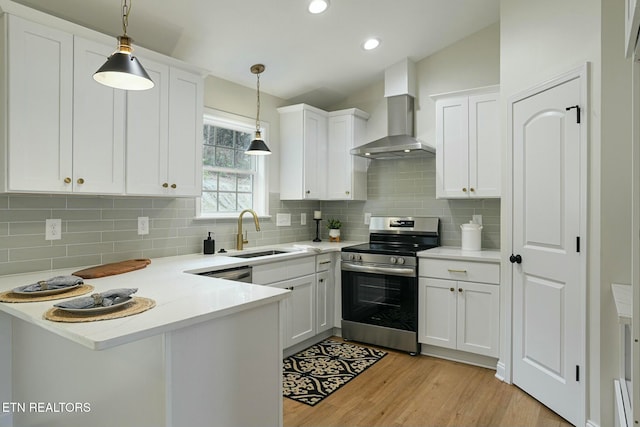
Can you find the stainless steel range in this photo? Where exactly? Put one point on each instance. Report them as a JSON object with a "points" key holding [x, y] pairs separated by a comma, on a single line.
{"points": [[380, 282]]}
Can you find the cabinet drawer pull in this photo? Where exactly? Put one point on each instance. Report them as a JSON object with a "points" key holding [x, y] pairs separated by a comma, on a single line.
{"points": [[67, 180], [324, 262], [457, 271], [80, 181]]}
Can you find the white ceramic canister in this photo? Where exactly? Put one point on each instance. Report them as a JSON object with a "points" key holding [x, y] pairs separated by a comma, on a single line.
{"points": [[471, 236]]}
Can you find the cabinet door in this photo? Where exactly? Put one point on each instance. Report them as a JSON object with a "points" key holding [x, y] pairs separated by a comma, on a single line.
{"points": [[299, 311], [484, 146], [98, 124], [147, 133], [185, 133], [324, 301], [452, 148], [315, 155], [478, 318], [40, 107], [437, 312], [339, 158]]}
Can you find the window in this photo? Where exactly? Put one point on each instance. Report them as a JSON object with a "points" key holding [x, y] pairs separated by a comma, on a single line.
{"points": [[231, 180]]}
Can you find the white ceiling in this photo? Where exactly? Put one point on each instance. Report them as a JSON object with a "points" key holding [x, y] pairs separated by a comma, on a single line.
{"points": [[315, 59]]}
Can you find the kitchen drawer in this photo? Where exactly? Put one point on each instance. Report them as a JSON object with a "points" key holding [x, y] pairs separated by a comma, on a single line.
{"points": [[323, 262], [468, 271], [272, 272]]}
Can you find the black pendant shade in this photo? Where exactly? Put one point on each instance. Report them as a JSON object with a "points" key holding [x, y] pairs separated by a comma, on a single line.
{"points": [[123, 71], [258, 147]]}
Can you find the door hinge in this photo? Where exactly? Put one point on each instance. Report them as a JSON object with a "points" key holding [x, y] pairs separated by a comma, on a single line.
{"points": [[577, 243], [577, 372], [577, 107]]}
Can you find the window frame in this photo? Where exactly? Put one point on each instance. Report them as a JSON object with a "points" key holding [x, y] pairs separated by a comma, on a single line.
{"points": [[261, 177]]}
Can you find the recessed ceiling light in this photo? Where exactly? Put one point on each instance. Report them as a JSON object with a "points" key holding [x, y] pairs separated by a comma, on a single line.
{"points": [[318, 6], [371, 44]]}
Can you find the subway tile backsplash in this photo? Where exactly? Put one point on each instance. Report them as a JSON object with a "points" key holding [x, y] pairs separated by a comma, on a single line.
{"points": [[97, 230]]}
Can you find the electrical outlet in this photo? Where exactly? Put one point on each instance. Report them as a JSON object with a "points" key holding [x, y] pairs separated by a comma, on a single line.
{"points": [[53, 229], [367, 218], [143, 225], [283, 219], [303, 218]]}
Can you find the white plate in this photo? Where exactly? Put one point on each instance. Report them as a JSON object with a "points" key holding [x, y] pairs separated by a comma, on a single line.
{"points": [[96, 310], [19, 290]]}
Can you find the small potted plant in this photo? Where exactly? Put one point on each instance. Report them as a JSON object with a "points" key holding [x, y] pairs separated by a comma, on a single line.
{"points": [[334, 226]]}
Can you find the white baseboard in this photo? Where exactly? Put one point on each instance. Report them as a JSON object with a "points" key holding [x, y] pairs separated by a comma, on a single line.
{"points": [[459, 356], [501, 371]]}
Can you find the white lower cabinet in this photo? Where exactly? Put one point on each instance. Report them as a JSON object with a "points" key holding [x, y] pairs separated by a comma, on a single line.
{"points": [[325, 292], [459, 314], [297, 317]]}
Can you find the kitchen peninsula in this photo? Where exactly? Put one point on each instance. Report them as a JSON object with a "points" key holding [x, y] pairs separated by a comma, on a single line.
{"points": [[209, 353]]}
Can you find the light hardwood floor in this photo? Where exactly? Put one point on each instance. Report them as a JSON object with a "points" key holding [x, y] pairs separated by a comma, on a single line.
{"points": [[401, 390]]}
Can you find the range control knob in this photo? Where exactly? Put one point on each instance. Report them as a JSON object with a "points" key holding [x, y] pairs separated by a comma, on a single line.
{"points": [[400, 261], [351, 257], [393, 260], [359, 257]]}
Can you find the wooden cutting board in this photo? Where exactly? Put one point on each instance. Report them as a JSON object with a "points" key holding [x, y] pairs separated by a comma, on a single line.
{"points": [[112, 268]]}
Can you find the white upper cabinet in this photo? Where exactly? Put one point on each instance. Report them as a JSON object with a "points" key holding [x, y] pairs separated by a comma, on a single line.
{"points": [[303, 148], [98, 124], [39, 107], [164, 150], [347, 174], [468, 144], [67, 133]]}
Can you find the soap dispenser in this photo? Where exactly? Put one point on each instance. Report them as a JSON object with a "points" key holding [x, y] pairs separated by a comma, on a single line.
{"points": [[209, 245]]}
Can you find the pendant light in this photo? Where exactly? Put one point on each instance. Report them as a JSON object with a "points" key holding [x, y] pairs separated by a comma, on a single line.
{"points": [[123, 70], [258, 147]]}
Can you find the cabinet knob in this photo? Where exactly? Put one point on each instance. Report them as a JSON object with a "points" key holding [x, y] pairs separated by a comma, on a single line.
{"points": [[308, 191], [347, 193], [464, 190], [472, 189], [173, 186], [67, 180], [460, 290], [80, 181], [321, 280], [165, 185], [452, 289]]}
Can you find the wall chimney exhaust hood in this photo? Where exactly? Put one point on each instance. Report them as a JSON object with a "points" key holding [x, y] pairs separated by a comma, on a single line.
{"points": [[400, 141]]}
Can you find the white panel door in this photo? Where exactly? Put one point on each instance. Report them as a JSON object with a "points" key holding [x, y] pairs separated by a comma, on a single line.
{"points": [[185, 133], [437, 312], [324, 301], [340, 165], [315, 155], [478, 323], [452, 147], [148, 133], [548, 287], [40, 107], [299, 311], [484, 146], [98, 124]]}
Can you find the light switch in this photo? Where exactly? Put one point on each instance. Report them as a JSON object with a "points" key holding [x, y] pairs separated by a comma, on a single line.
{"points": [[367, 218]]}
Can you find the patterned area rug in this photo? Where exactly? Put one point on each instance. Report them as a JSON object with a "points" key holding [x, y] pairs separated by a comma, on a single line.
{"points": [[313, 374]]}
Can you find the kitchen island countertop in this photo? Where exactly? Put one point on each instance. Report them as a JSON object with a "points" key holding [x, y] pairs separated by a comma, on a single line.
{"points": [[182, 297]]}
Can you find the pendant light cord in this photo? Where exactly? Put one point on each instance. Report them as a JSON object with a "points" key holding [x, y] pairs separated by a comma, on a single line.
{"points": [[258, 113], [126, 9]]}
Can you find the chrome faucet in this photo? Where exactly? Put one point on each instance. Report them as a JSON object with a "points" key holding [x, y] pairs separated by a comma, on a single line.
{"points": [[240, 240]]}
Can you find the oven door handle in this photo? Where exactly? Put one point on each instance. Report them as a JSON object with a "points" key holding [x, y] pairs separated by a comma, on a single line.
{"points": [[394, 271]]}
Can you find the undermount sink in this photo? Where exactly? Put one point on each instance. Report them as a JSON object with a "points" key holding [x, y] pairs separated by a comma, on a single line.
{"points": [[259, 254]]}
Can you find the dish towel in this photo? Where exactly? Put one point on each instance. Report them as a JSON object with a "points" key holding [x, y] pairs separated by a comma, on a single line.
{"points": [[57, 282], [103, 299]]}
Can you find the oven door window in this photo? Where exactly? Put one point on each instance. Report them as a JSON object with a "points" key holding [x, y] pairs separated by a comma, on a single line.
{"points": [[380, 299]]}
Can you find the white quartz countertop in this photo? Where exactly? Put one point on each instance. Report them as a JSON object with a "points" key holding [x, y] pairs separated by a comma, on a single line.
{"points": [[182, 298], [451, 252]]}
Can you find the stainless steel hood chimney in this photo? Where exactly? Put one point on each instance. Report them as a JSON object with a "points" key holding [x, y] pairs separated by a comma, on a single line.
{"points": [[400, 141], [399, 88]]}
